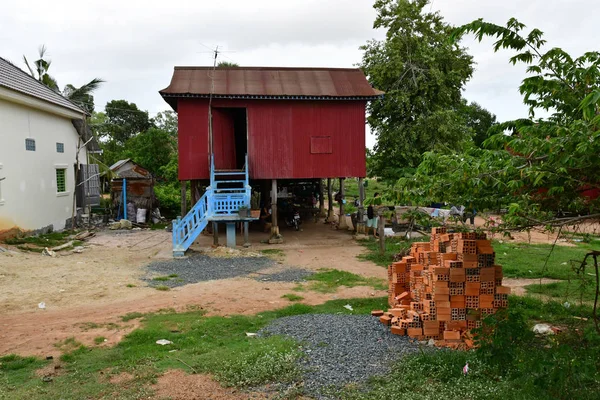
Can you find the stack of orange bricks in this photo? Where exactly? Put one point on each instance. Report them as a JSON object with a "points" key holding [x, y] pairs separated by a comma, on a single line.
{"points": [[444, 288]]}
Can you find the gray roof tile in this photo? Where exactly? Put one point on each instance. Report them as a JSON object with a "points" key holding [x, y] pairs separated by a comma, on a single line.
{"points": [[18, 80]]}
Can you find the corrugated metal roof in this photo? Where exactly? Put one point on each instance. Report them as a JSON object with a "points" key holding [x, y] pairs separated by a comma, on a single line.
{"points": [[18, 80], [271, 83]]}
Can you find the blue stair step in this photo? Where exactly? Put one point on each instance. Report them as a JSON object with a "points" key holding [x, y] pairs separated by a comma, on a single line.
{"points": [[219, 203]]}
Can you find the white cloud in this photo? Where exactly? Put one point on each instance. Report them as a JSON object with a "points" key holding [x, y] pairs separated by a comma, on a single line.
{"points": [[134, 44]]}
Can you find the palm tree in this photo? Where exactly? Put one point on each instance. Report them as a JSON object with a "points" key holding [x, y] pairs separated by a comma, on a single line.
{"points": [[82, 96], [41, 67]]}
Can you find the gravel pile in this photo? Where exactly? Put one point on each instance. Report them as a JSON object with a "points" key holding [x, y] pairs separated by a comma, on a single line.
{"points": [[200, 268], [288, 275], [341, 349]]}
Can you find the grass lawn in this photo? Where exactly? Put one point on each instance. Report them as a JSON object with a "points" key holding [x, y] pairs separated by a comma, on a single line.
{"points": [[573, 291], [328, 281], [522, 260]]}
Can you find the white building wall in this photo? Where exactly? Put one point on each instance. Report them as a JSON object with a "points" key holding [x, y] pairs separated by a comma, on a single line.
{"points": [[28, 194]]}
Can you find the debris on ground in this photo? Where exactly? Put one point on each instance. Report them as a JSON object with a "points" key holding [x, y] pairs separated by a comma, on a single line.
{"points": [[341, 349], [48, 252], [63, 246], [543, 329], [42, 306], [163, 342], [122, 224], [251, 334], [228, 252], [444, 288], [348, 307], [84, 235]]}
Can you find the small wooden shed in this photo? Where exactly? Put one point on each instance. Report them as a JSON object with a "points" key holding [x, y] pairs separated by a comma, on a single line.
{"points": [[139, 188]]}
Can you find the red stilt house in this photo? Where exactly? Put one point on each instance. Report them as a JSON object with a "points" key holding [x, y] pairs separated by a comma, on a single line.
{"points": [[272, 124]]}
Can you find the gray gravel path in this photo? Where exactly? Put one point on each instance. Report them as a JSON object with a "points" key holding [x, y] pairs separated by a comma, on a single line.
{"points": [[288, 275], [341, 349], [200, 268]]}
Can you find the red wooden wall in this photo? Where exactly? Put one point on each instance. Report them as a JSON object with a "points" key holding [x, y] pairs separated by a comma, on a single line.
{"points": [[286, 139]]}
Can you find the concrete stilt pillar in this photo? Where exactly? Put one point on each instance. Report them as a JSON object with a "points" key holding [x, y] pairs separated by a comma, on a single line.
{"points": [[231, 235], [275, 235], [246, 234], [215, 233], [343, 224], [330, 215]]}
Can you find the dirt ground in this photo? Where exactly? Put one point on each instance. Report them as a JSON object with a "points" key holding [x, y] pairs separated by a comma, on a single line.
{"points": [[86, 294]]}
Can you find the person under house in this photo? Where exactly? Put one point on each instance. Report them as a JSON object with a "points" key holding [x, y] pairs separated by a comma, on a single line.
{"points": [[372, 218]]}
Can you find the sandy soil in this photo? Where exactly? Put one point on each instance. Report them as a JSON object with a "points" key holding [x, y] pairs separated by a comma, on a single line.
{"points": [[178, 385]]}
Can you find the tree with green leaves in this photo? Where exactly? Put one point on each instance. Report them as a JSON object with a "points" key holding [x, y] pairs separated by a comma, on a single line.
{"points": [[543, 170], [82, 96], [227, 64], [478, 120], [423, 74], [124, 120]]}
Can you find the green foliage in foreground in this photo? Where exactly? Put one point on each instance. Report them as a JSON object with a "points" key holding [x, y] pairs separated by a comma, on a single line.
{"points": [[513, 364], [216, 345]]}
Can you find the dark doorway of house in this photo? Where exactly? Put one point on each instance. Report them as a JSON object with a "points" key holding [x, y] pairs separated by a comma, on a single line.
{"points": [[240, 132]]}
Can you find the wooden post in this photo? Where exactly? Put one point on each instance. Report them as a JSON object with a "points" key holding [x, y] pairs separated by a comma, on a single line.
{"points": [[381, 229], [183, 198], [321, 200], [329, 200], [343, 224], [360, 228], [275, 236]]}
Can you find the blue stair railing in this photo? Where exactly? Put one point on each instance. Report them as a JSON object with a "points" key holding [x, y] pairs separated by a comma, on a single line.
{"points": [[229, 190]]}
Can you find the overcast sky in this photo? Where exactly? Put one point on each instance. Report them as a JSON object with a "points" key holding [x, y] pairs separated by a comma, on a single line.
{"points": [[134, 44]]}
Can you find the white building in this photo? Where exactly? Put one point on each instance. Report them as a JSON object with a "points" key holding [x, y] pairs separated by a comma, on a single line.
{"points": [[40, 132]]}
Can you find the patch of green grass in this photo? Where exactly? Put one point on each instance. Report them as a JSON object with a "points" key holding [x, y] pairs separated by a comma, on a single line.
{"points": [[159, 226], [299, 288], [272, 252], [572, 291], [328, 280], [130, 285], [99, 339], [131, 315], [161, 278], [173, 276], [52, 239], [393, 246], [162, 288], [522, 260], [292, 297], [351, 188]]}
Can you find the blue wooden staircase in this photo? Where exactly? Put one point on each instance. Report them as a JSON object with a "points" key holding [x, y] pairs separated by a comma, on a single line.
{"points": [[228, 191]]}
